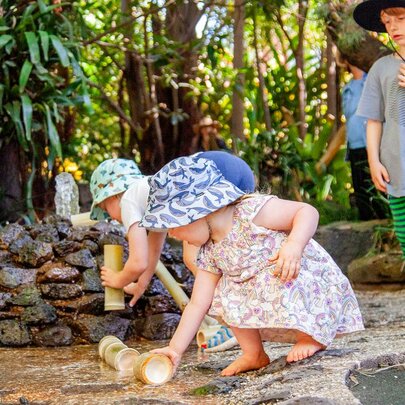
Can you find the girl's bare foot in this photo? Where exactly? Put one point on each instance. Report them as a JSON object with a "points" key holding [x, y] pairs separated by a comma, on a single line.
{"points": [[305, 347], [246, 363]]}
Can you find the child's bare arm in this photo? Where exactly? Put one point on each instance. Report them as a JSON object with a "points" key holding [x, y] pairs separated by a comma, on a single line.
{"points": [[136, 264], [201, 298], [300, 221], [379, 173]]}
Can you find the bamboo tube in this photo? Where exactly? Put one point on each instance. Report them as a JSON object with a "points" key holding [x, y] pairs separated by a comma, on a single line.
{"points": [[125, 358], [111, 352], [153, 369], [113, 298], [104, 343], [82, 219], [204, 334], [179, 296]]}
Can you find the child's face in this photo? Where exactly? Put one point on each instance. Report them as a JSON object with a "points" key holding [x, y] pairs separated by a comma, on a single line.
{"points": [[196, 233], [395, 26], [112, 206]]}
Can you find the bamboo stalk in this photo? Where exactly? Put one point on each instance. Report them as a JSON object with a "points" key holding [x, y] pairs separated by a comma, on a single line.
{"points": [[113, 298], [82, 219], [179, 296]]}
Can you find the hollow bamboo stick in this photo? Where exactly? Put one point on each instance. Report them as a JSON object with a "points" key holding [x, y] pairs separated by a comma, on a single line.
{"points": [[82, 219], [113, 297]]}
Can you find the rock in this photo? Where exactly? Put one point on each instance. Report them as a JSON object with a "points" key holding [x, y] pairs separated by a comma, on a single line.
{"points": [[272, 397], [64, 247], [5, 257], [346, 241], [27, 297], [220, 385], [88, 304], [159, 304], [93, 329], [80, 234], [307, 400], [12, 277], [82, 258], [34, 253], [41, 313], [61, 291], [57, 273], [58, 335], [18, 244], [90, 245], [14, 333], [91, 281], [4, 297], [111, 239], [45, 233], [156, 327], [9, 234], [377, 269]]}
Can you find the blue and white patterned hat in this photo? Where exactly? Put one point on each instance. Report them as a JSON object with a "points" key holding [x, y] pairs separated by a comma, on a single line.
{"points": [[184, 190], [112, 177]]}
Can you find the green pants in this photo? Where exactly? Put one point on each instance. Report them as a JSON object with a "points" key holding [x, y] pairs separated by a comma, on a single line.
{"points": [[397, 205]]}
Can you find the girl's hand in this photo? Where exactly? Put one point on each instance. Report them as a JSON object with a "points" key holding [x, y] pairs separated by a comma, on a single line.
{"points": [[401, 75], [136, 290], [171, 354], [110, 278], [288, 261]]}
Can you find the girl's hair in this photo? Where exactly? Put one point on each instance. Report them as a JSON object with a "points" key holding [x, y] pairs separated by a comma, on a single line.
{"points": [[393, 11]]}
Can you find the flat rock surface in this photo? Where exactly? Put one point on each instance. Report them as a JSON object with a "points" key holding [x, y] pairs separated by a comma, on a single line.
{"points": [[76, 375]]}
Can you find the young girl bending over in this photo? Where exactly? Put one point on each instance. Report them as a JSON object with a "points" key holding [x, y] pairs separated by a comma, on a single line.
{"points": [[245, 243]]}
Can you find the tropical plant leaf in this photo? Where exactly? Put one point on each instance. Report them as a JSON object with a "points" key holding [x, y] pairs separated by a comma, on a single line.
{"points": [[5, 39], [24, 75], [14, 111], [27, 115], [53, 133], [33, 47], [60, 50], [44, 36], [2, 87]]}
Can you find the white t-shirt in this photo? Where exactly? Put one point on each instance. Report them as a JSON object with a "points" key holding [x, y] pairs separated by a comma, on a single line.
{"points": [[134, 202]]}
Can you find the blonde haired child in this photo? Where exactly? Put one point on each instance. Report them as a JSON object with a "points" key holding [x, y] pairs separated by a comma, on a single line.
{"points": [[245, 243]]}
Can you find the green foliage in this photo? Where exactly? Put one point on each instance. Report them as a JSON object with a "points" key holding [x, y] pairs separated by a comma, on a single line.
{"points": [[40, 78]]}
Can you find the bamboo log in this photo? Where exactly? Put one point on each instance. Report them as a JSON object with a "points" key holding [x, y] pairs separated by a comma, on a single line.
{"points": [[179, 296], [82, 219], [114, 297]]}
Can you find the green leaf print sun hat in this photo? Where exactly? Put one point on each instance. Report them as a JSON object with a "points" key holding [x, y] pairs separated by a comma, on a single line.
{"points": [[112, 177], [184, 190]]}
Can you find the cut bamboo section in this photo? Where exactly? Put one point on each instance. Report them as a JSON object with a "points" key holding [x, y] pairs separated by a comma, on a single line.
{"points": [[82, 219], [179, 296], [113, 297], [153, 369]]}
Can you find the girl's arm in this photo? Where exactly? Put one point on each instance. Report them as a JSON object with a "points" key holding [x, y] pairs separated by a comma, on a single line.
{"points": [[136, 264], [155, 245], [201, 298], [379, 173], [300, 221], [190, 253]]}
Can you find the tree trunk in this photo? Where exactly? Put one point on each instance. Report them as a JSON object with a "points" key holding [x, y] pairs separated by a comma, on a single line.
{"points": [[11, 188], [345, 33], [302, 93], [238, 109]]}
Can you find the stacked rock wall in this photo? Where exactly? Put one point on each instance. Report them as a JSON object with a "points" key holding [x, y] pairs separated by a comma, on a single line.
{"points": [[51, 292]]}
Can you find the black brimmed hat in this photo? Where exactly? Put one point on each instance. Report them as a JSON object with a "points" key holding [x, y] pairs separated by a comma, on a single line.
{"points": [[367, 13]]}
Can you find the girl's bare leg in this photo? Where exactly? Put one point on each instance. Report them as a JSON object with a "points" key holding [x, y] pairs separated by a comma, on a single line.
{"points": [[253, 357], [305, 347]]}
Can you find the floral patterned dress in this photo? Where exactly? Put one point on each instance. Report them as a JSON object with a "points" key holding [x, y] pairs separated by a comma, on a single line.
{"points": [[320, 302]]}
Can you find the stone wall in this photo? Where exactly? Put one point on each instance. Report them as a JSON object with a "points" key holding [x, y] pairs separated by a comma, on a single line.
{"points": [[51, 292]]}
